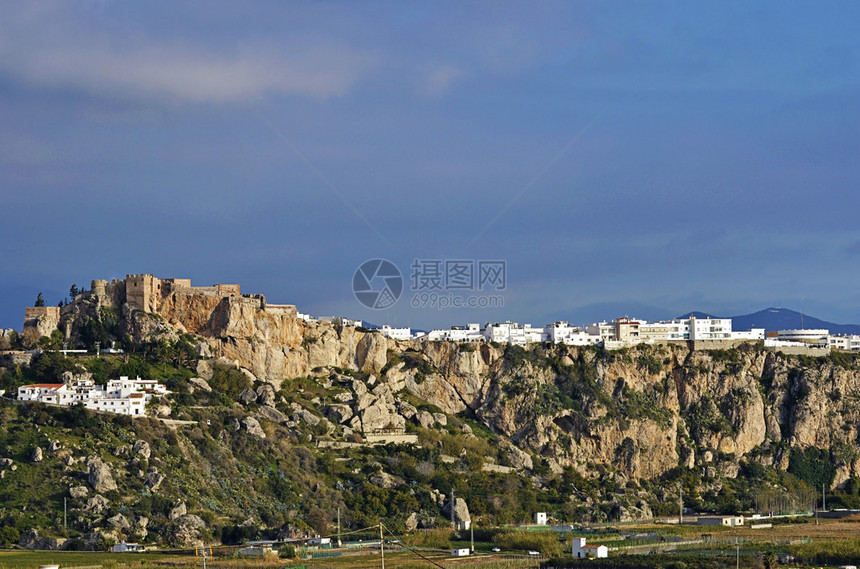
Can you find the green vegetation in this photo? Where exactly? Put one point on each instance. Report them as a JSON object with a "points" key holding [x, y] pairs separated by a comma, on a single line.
{"points": [[546, 542], [828, 552], [812, 465]]}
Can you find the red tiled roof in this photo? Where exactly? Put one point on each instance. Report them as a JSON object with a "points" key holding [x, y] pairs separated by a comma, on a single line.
{"points": [[46, 385]]}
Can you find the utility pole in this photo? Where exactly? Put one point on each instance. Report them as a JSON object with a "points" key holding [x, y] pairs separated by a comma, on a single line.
{"points": [[381, 545], [339, 543], [738, 557], [823, 498], [65, 526], [452, 509], [680, 504], [472, 537]]}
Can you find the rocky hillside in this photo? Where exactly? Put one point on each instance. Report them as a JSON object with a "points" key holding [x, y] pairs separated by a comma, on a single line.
{"points": [[271, 412]]}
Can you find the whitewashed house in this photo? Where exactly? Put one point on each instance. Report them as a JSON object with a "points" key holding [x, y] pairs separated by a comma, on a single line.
{"points": [[396, 333], [56, 393], [582, 551]]}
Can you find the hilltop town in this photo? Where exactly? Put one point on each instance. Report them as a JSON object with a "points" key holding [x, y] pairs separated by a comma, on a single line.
{"points": [[151, 295], [263, 417]]}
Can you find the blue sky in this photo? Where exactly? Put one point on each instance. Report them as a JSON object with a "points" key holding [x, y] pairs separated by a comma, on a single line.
{"points": [[622, 157]]}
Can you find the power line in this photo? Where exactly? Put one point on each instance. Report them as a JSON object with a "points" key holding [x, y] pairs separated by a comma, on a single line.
{"points": [[413, 551]]}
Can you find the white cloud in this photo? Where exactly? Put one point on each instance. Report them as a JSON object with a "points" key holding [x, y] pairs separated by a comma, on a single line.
{"points": [[41, 48]]}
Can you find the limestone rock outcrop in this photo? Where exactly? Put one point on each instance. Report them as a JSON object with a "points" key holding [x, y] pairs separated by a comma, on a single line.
{"points": [[100, 477]]}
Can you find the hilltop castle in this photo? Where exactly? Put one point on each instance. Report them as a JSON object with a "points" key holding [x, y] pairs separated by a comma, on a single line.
{"points": [[145, 292]]}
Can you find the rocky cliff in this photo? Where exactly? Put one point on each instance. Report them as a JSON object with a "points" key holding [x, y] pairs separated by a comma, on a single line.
{"points": [[642, 411]]}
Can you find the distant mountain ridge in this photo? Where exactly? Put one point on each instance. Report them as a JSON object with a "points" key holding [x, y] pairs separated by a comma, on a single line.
{"points": [[772, 319]]}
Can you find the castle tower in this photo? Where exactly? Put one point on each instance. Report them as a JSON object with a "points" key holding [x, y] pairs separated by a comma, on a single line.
{"points": [[142, 292], [99, 287]]}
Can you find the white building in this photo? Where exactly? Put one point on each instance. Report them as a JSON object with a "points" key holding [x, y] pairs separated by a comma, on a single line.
{"points": [[665, 330], [540, 518], [56, 393], [460, 552], [513, 333], [123, 547], [396, 333], [840, 342], [730, 521], [583, 551], [710, 328], [122, 396], [804, 336], [561, 332], [751, 334], [132, 404]]}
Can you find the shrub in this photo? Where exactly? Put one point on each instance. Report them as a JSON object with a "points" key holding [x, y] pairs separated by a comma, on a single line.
{"points": [[229, 381]]}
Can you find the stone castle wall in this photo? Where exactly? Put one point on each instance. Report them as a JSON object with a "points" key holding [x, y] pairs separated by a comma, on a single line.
{"points": [[145, 292], [33, 312]]}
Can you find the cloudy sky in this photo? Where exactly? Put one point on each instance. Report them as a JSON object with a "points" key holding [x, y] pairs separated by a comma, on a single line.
{"points": [[641, 158]]}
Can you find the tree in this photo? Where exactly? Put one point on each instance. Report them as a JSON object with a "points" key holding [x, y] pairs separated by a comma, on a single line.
{"points": [[40, 300], [318, 520], [73, 292]]}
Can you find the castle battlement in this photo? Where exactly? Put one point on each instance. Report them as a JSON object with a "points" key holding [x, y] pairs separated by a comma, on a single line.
{"points": [[144, 292]]}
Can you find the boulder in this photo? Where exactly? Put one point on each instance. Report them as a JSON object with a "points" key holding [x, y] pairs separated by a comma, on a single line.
{"points": [[138, 528], [302, 414], [383, 391], [248, 396], [78, 492], [200, 383], [461, 511], [153, 479], [252, 426], [97, 504], [406, 409], [411, 522], [141, 449], [36, 455], [266, 395], [28, 539], [54, 446], [423, 419], [271, 414], [177, 511], [380, 415], [186, 532], [119, 523], [440, 418], [385, 480], [5, 462], [338, 413], [94, 541], [519, 458], [343, 397], [358, 387], [100, 477]]}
